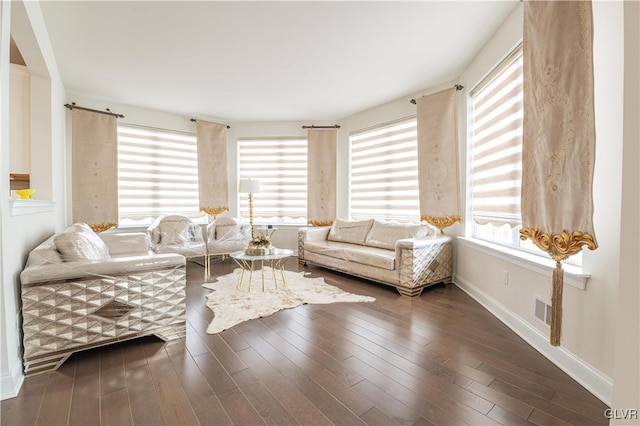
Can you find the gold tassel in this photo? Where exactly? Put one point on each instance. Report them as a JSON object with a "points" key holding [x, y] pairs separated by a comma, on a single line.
{"points": [[556, 305], [559, 247]]}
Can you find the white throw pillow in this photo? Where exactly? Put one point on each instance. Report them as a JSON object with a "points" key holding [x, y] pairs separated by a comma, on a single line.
{"points": [[174, 231], [79, 242], [385, 234], [350, 231]]}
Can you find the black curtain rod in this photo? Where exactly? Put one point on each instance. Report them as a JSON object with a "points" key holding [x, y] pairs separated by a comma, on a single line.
{"points": [[108, 111], [193, 120], [335, 126], [457, 86]]}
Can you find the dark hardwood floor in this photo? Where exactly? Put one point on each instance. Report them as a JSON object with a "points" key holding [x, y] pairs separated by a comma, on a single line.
{"points": [[438, 359]]}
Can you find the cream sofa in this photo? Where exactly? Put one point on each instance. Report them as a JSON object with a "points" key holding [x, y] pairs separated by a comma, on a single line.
{"points": [[81, 291], [407, 256]]}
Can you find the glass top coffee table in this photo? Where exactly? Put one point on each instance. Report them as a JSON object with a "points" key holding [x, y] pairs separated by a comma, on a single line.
{"points": [[274, 260]]}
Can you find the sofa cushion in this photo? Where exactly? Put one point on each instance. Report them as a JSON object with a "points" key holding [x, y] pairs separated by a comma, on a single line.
{"points": [[79, 242], [350, 231], [372, 256], [385, 234]]}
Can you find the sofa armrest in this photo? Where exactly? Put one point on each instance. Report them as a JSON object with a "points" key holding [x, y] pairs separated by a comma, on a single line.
{"points": [[424, 260], [421, 242], [113, 267], [126, 244]]}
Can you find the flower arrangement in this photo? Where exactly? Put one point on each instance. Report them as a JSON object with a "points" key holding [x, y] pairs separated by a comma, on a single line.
{"points": [[260, 244]]}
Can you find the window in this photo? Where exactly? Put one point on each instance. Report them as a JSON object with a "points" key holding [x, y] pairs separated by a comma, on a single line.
{"points": [[498, 111], [280, 164], [157, 174], [497, 152], [384, 172]]}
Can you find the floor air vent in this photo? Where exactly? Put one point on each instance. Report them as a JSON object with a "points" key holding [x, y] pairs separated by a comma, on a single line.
{"points": [[543, 311]]}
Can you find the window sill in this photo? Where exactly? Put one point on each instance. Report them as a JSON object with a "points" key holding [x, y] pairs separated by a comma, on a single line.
{"points": [[573, 275], [24, 207]]}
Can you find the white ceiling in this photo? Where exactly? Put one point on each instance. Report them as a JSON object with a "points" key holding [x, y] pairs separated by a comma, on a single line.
{"points": [[265, 61]]}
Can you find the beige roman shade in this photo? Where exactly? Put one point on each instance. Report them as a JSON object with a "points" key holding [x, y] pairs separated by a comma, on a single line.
{"points": [[213, 186], [321, 176], [438, 159], [559, 135], [94, 169]]}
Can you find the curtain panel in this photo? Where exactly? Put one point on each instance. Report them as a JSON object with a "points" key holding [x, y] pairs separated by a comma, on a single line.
{"points": [[321, 177], [94, 168], [213, 179], [559, 135], [438, 159]]}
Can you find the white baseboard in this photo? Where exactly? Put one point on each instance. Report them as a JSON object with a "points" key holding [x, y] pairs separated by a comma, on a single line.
{"points": [[11, 382], [593, 380]]}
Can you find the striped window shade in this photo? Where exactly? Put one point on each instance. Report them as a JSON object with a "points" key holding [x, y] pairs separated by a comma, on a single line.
{"points": [[157, 173], [384, 172], [280, 164], [497, 144]]}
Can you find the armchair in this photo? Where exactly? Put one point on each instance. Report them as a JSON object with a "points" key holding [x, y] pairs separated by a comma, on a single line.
{"points": [[176, 233], [226, 235]]}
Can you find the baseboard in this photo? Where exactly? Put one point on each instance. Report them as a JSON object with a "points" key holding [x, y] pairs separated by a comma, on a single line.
{"points": [[591, 379], [10, 383]]}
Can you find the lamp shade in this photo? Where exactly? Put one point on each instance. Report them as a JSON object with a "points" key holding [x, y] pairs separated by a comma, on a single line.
{"points": [[248, 186]]}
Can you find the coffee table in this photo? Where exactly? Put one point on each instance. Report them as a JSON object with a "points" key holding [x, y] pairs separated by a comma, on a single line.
{"points": [[275, 260]]}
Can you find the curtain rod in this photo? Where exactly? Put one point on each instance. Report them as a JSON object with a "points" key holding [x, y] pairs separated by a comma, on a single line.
{"points": [[335, 126], [457, 86], [193, 120], [108, 111]]}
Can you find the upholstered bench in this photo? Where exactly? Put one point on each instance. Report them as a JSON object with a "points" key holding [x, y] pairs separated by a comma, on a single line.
{"points": [[80, 290], [407, 256]]}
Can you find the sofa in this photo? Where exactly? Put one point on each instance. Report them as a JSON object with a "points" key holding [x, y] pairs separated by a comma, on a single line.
{"points": [[80, 290], [408, 257]]}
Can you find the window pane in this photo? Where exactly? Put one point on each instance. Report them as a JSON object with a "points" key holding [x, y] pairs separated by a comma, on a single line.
{"points": [[497, 144], [280, 164], [157, 173], [384, 172]]}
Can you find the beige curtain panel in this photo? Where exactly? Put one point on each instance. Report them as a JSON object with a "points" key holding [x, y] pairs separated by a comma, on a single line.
{"points": [[559, 134], [213, 180], [321, 176], [438, 159], [94, 169]]}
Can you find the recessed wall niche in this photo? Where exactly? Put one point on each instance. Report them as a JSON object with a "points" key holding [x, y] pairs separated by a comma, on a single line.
{"points": [[20, 121]]}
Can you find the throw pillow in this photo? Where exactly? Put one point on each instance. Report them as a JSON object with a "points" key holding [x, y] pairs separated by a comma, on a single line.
{"points": [[385, 234], [79, 242], [350, 231], [174, 231]]}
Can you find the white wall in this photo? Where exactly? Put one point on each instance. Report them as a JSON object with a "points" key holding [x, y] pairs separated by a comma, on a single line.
{"points": [[19, 234], [588, 315], [626, 379]]}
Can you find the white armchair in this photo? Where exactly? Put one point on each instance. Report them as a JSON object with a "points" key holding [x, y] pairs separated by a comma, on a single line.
{"points": [[176, 233], [226, 235]]}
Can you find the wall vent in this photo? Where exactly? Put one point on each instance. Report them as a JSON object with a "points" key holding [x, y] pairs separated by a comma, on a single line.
{"points": [[542, 310]]}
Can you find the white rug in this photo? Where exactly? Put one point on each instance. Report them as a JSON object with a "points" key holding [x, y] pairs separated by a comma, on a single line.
{"points": [[232, 306]]}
